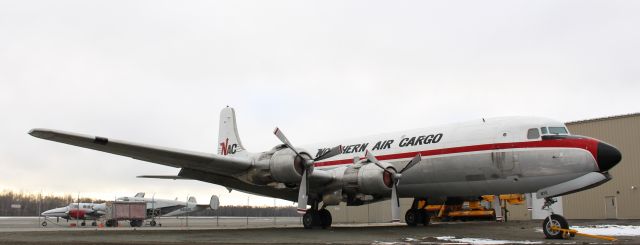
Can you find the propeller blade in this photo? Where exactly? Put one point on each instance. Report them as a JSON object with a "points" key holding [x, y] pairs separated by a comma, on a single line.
{"points": [[302, 194], [330, 153], [412, 163], [284, 140], [374, 160], [395, 204]]}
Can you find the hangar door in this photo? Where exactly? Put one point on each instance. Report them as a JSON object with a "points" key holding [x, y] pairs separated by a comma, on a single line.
{"points": [[610, 207]]}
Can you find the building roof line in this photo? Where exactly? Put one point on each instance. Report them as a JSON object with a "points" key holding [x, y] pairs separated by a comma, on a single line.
{"points": [[604, 118]]}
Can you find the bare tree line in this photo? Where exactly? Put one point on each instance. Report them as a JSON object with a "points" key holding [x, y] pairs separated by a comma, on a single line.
{"points": [[33, 204]]}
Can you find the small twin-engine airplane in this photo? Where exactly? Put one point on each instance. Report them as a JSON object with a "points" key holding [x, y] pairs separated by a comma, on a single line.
{"points": [[155, 208], [437, 164]]}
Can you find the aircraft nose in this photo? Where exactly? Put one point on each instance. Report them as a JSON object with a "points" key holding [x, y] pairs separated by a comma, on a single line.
{"points": [[608, 156]]}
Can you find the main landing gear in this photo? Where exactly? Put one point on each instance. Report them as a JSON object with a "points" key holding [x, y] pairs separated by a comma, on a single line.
{"points": [[553, 220], [416, 214], [315, 217]]}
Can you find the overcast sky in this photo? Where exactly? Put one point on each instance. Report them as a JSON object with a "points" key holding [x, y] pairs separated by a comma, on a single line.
{"points": [[158, 72]]}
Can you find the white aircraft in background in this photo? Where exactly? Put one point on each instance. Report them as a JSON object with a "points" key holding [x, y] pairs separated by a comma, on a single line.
{"points": [[77, 211], [155, 208], [165, 207], [436, 164]]}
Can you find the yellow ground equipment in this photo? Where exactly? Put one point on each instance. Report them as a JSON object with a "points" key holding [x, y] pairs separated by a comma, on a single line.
{"points": [[566, 233], [472, 209]]}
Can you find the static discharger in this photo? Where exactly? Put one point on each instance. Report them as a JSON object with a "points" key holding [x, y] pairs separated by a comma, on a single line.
{"points": [[566, 233]]}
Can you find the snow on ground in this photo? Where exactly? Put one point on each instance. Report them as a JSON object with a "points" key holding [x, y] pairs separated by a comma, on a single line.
{"points": [[483, 240], [609, 230]]}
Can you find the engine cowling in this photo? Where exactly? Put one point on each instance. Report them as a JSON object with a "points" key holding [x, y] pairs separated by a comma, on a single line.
{"points": [[286, 167], [367, 179]]}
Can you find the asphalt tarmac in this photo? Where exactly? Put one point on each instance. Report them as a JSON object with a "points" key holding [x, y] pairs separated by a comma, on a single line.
{"points": [[227, 230]]}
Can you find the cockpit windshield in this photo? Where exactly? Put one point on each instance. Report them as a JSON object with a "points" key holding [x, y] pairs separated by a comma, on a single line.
{"points": [[558, 130]]}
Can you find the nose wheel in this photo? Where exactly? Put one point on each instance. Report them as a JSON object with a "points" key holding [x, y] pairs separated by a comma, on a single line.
{"points": [[553, 221]]}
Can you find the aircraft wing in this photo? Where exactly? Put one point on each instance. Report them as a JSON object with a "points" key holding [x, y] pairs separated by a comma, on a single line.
{"points": [[161, 155]]}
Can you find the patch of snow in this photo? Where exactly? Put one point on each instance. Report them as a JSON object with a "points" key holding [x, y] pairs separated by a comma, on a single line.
{"points": [[609, 230], [409, 239], [483, 240]]}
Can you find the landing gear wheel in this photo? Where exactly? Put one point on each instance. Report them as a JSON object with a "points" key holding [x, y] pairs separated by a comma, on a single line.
{"points": [[152, 223], [111, 223], [556, 220], [423, 216], [44, 223], [94, 223], [83, 223], [325, 218], [411, 217], [309, 219]]}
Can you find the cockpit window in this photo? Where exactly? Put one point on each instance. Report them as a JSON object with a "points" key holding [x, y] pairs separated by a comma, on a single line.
{"points": [[544, 130], [533, 133], [558, 130]]}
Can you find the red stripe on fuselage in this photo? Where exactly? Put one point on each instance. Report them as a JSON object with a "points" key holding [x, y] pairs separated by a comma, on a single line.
{"points": [[580, 143]]}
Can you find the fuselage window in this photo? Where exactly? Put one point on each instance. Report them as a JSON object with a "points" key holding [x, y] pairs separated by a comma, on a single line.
{"points": [[533, 133], [558, 130], [544, 130]]}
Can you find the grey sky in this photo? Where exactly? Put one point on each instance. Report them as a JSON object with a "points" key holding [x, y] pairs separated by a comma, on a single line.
{"points": [[158, 72]]}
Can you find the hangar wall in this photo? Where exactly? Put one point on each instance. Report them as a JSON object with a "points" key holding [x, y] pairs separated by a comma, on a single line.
{"points": [[621, 131], [618, 198]]}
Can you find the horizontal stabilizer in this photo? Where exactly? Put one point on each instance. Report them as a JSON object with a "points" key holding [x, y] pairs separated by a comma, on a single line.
{"points": [[173, 177]]}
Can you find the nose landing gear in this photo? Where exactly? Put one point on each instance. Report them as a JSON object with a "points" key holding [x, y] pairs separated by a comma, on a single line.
{"points": [[553, 220]]}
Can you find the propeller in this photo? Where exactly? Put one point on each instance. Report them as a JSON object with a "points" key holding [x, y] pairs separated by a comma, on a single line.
{"points": [[307, 167], [395, 178]]}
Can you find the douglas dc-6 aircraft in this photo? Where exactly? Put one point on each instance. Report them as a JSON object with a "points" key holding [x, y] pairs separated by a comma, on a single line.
{"points": [[438, 164]]}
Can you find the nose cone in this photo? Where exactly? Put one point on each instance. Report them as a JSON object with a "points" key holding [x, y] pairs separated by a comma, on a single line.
{"points": [[608, 156]]}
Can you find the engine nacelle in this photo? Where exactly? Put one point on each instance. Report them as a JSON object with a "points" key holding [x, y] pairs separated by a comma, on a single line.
{"points": [[367, 179], [286, 167]]}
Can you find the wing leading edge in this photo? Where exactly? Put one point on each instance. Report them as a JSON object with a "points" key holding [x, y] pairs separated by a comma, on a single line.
{"points": [[212, 163]]}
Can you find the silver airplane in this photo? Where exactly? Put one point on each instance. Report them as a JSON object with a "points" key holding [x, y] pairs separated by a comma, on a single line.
{"points": [[436, 164]]}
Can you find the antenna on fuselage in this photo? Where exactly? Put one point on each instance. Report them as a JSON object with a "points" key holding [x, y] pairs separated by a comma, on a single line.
{"points": [[483, 120]]}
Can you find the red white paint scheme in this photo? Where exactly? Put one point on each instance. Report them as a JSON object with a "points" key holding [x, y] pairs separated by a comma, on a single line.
{"points": [[446, 163]]}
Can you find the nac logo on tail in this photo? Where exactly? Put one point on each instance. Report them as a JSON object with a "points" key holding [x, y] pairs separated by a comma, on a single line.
{"points": [[226, 149]]}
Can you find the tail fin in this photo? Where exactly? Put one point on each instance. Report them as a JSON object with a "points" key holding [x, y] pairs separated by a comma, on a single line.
{"points": [[228, 140], [192, 200], [140, 194]]}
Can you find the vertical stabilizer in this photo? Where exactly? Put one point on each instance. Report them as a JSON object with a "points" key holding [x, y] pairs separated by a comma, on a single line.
{"points": [[228, 139], [139, 194]]}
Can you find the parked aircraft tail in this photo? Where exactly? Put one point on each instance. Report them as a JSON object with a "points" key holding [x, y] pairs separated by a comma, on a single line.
{"points": [[139, 194], [192, 199], [228, 139]]}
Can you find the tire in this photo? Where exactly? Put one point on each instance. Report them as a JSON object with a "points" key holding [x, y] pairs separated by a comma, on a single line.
{"points": [[83, 223], [308, 220], [44, 223], [423, 217], [325, 218], [94, 223], [556, 220], [152, 223], [411, 217]]}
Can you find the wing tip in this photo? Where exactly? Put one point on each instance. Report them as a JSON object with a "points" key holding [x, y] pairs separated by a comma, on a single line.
{"points": [[41, 133]]}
